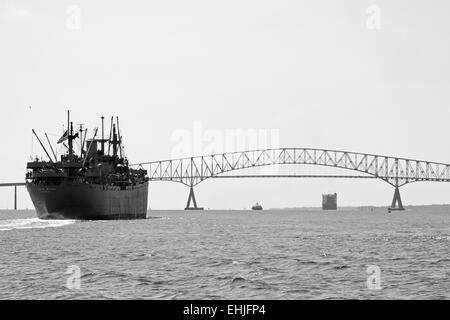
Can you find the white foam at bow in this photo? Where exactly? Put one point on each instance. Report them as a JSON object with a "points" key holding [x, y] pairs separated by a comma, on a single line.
{"points": [[32, 223]]}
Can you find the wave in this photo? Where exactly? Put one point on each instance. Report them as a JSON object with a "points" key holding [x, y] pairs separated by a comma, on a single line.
{"points": [[32, 223], [238, 280]]}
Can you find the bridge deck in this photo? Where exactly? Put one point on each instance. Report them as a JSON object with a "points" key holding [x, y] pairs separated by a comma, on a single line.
{"points": [[12, 184]]}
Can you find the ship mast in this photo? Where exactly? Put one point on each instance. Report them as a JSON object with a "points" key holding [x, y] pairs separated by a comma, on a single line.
{"points": [[120, 137], [70, 135], [110, 135], [89, 148], [81, 139], [103, 135], [114, 141]]}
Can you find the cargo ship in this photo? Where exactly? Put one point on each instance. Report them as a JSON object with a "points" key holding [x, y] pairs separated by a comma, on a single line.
{"points": [[95, 184]]}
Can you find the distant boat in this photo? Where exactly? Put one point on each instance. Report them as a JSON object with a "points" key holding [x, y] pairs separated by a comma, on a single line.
{"points": [[257, 206]]}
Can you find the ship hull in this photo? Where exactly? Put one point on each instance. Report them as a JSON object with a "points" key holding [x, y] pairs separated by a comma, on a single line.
{"points": [[81, 201]]}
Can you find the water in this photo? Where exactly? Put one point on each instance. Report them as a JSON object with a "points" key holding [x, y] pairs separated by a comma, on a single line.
{"points": [[229, 255]]}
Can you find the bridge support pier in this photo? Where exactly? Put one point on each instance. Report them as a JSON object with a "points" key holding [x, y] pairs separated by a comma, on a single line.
{"points": [[15, 197], [397, 204], [194, 202]]}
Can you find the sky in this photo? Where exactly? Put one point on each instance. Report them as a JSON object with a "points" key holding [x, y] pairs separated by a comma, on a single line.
{"points": [[185, 76]]}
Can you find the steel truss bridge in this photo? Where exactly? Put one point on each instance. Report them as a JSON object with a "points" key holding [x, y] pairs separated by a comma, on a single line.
{"points": [[193, 170], [393, 170]]}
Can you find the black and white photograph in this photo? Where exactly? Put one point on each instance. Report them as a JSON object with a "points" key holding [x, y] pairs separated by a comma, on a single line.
{"points": [[223, 155]]}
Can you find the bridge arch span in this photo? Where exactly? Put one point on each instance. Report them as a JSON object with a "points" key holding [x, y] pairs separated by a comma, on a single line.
{"points": [[394, 170]]}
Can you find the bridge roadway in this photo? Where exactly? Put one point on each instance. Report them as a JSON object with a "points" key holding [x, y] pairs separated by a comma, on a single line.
{"points": [[13, 184]]}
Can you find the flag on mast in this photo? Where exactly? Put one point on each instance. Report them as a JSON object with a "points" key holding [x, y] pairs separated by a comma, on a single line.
{"points": [[64, 137]]}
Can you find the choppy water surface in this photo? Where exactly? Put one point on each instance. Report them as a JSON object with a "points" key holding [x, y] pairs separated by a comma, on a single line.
{"points": [[229, 255]]}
